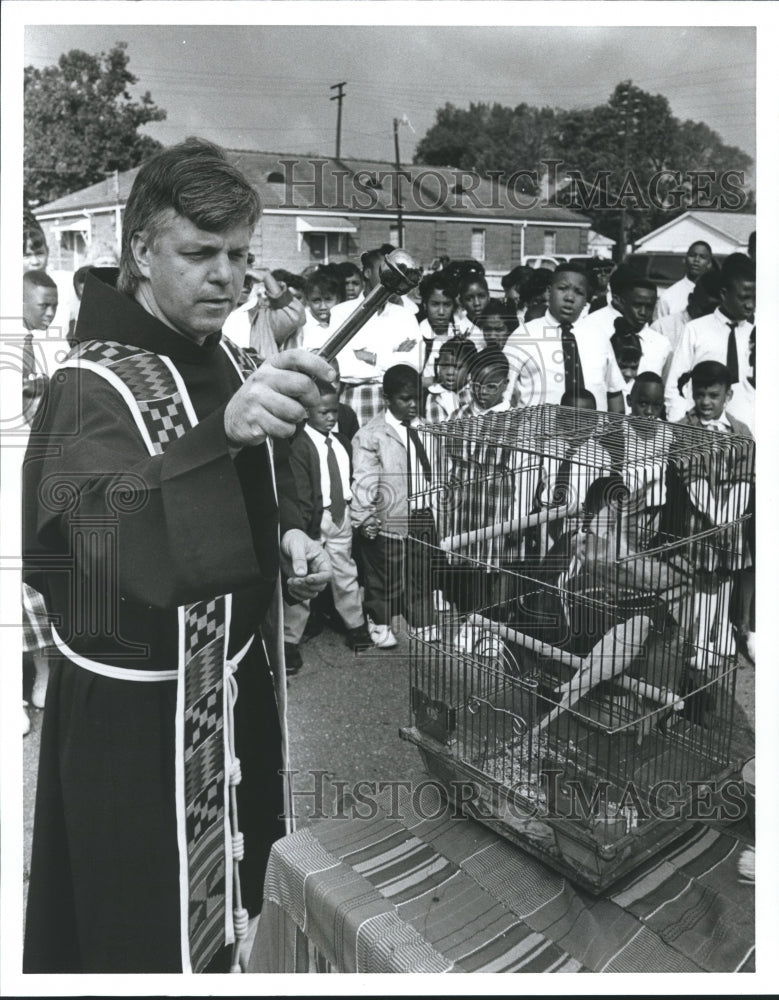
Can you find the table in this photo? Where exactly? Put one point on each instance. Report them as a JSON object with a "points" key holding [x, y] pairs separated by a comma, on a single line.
{"points": [[401, 893]]}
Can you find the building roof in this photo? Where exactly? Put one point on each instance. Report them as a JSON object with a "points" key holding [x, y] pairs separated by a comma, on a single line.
{"points": [[299, 183], [735, 226]]}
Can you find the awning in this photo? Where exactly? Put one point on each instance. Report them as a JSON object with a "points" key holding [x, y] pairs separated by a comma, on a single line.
{"points": [[323, 224], [76, 226]]}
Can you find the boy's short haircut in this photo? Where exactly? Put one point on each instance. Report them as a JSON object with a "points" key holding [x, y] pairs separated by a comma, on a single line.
{"points": [[347, 269], [538, 282], [648, 378], [456, 351], [572, 267], [196, 181], [635, 280], [701, 243], [708, 373], [400, 377], [39, 279], [324, 282], [710, 283], [325, 388], [489, 357], [468, 278], [497, 308], [371, 257], [737, 267], [578, 395], [438, 281], [620, 278], [80, 276], [516, 277]]}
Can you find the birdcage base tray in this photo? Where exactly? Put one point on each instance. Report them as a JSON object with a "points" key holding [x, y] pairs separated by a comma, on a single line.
{"points": [[592, 854]]}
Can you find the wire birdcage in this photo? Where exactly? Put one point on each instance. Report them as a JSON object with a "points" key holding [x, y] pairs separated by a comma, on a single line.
{"points": [[578, 691]]}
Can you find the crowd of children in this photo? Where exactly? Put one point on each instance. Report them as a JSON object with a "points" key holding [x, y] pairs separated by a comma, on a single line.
{"points": [[449, 350]]}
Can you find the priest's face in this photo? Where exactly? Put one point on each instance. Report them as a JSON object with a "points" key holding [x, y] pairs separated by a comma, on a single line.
{"points": [[192, 278]]}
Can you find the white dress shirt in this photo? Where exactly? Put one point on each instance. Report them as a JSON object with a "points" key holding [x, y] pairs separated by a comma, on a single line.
{"points": [[703, 339], [655, 351], [392, 334], [674, 298], [314, 333], [672, 326], [320, 443], [542, 378]]}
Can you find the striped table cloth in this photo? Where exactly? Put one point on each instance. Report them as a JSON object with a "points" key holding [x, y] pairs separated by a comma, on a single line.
{"points": [[396, 893]]}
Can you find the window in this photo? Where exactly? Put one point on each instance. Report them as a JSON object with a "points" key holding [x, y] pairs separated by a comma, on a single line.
{"points": [[324, 246], [478, 243], [550, 242]]}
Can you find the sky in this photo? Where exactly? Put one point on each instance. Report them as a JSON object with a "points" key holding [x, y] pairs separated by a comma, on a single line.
{"points": [[268, 87]]}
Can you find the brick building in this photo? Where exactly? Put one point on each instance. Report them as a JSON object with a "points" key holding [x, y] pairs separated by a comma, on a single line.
{"points": [[319, 209]]}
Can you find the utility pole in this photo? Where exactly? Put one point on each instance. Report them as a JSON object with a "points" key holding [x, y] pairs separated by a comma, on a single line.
{"points": [[340, 98], [395, 124], [629, 109]]}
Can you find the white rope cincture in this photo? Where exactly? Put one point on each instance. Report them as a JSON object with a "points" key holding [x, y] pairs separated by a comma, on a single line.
{"points": [[240, 915]]}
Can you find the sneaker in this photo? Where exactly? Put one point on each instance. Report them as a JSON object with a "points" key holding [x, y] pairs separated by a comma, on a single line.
{"points": [[292, 658], [358, 638], [382, 636], [25, 720], [428, 633]]}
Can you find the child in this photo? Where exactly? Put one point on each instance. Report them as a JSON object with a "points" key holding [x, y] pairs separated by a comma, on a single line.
{"points": [[713, 496], [276, 317], [573, 354], [346, 422], [473, 294], [499, 323], [438, 302], [351, 276], [445, 395], [535, 294], [489, 378], [390, 465], [639, 448], [39, 305], [627, 351], [319, 458], [321, 292], [572, 458]]}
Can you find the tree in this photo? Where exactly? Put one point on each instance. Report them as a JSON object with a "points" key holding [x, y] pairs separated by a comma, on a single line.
{"points": [[630, 151], [80, 122]]}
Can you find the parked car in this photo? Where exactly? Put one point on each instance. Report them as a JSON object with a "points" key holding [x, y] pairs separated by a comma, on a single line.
{"points": [[663, 268]]}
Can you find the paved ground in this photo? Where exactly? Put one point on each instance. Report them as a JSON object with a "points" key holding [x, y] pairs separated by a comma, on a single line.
{"points": [[344, 715]]}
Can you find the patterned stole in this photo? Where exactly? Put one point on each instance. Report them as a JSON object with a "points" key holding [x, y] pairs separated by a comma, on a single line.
{"points": [[206, 769]]}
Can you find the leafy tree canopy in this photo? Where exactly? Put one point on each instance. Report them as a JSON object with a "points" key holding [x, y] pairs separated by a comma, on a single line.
{"points": [[632, 144], [81, 123]]}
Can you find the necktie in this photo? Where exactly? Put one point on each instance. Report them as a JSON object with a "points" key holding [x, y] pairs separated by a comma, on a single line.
{"points": [[732, 362], [752, 353], [337, 502], [413, 438], [32, 387], [574, 378]]}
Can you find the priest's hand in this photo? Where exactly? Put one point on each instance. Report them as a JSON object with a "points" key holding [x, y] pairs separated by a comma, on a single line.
{"points": [[274, 399], [304, 564]]}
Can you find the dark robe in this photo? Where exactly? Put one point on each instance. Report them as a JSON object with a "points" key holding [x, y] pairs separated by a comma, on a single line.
{"points": [[116, 540]]}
